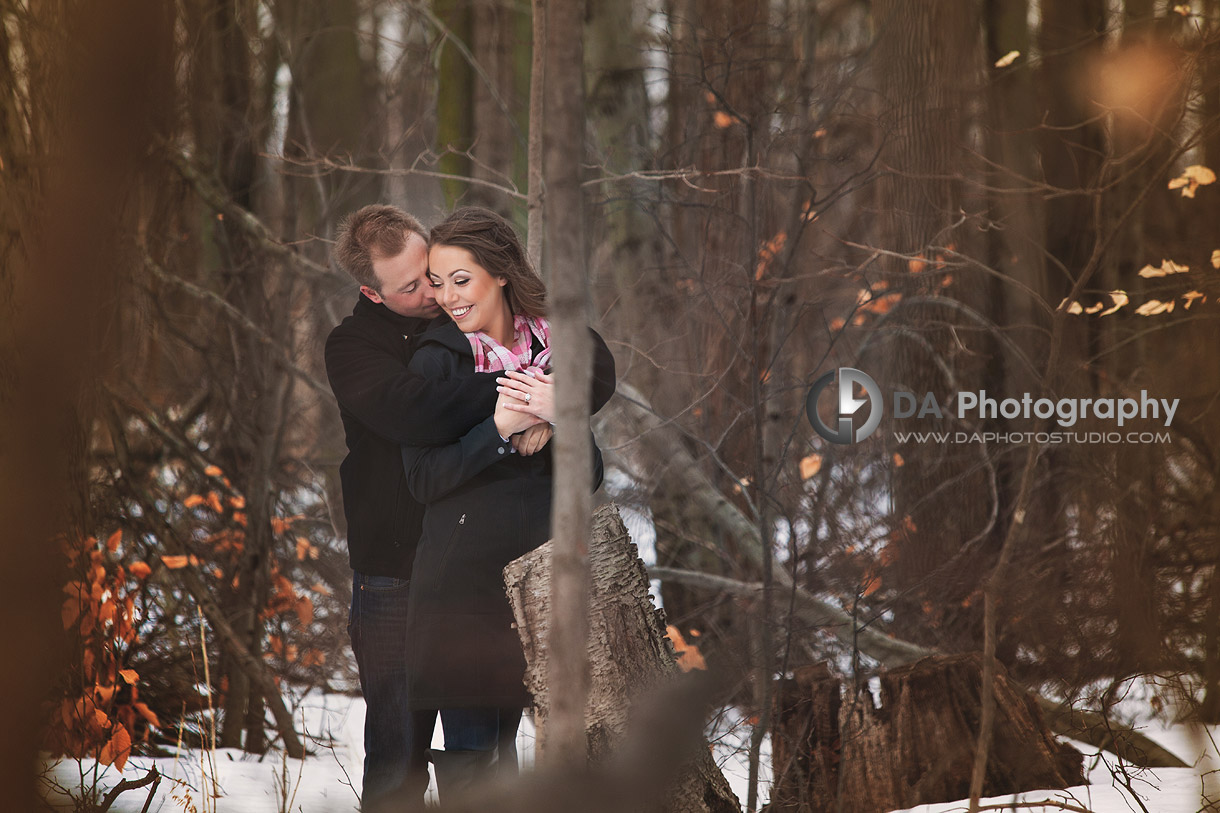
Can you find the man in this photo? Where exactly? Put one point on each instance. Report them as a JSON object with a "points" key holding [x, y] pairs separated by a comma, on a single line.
{"points": [[384, 406]]}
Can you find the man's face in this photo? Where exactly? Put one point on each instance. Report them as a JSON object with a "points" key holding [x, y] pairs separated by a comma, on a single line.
{"points": [[403, 281]]}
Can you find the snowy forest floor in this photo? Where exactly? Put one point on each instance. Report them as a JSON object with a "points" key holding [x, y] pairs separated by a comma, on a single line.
{"points": [[329, 779]]}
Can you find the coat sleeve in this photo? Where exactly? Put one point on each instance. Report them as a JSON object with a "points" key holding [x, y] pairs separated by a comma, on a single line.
{"points": [[400, 403], [604, 376], [434, 471]]}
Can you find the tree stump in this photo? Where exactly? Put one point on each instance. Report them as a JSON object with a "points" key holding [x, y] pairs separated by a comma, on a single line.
{"points": [[917, 747], [629, 654]]}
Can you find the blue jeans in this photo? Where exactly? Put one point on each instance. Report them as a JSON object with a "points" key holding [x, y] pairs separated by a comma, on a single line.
{"points": [[396, 739], [484, 729]]}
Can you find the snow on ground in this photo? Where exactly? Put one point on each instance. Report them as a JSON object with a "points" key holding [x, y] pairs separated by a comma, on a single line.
{"points": [[329, 780]]}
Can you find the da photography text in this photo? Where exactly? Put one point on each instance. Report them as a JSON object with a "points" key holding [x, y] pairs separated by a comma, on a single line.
{"points": [[971, 407]]}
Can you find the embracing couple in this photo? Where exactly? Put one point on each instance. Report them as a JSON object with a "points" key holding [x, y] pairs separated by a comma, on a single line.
{"points": [[442, 377]]}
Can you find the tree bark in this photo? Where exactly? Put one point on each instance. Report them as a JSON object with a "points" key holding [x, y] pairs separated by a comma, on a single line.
{"points": [[536, 200], [101, 90], [627, 649], [848, 755], [569, 310]]}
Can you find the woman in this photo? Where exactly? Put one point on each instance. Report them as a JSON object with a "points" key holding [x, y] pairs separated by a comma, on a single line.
{"points": [[485, 504]]}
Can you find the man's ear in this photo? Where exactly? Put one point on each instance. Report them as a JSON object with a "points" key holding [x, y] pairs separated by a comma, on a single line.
{"points": [[370, 293]]}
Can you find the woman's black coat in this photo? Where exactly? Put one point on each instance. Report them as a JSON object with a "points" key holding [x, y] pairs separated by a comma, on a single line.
{"points": [[485, 506]]}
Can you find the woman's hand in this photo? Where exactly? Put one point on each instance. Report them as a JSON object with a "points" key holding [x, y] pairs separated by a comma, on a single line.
{"points": [[508, 421], [531, 394], [532, 439]]}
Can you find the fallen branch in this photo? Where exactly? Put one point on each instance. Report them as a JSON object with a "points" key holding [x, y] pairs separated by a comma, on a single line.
{"points": [[153, 777]]}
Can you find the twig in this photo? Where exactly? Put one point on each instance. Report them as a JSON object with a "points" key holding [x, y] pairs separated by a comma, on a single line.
{"points": [[153, 777], [240, 318], [249, 223]]}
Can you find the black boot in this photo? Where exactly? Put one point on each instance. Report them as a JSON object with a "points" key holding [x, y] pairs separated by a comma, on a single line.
{"points": [[459, 771]]}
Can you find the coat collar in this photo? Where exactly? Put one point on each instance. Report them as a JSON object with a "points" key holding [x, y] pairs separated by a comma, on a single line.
{"points": [[406, 325]]}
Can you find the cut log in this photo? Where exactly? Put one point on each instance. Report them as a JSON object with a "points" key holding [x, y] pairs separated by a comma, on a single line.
{"points": [[629, 655], [916, 747]]}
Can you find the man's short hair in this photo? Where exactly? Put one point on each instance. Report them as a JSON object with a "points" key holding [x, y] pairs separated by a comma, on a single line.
{"points": [[375, 232]]}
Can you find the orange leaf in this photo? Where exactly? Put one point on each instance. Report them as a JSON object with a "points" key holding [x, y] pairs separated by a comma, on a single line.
{"points": [[213, 471], [70, 611], [120, 747], [214, 502], [318, 587], [675, 635], [238, 502], [871, 585], [130, 676], [314, 657], [140, 570], [898, 461], [692, 658], [192, 501], [304, 610], [174, 562], [722, 119], [147, 713], [88, 621], [112, 544], [810, 465], [302, 548]]}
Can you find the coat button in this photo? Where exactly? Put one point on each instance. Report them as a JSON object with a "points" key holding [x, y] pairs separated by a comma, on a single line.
{"points": [[500, 450]]}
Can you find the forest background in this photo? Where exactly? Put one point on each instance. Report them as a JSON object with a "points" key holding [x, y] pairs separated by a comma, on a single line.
{"points": [[1004, 195]]}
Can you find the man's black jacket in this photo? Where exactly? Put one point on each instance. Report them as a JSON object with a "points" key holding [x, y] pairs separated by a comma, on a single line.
{"points": [[384, 406]]}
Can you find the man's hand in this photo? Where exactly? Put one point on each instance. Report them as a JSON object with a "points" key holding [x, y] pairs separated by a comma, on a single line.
{"points": [[532, 394], [532, 439]]}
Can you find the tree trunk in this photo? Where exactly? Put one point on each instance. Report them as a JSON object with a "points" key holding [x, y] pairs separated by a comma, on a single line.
{"points": [[629, 654], [835, 754], [494, 44], [101, 92], [564, 253], [535, 202]]}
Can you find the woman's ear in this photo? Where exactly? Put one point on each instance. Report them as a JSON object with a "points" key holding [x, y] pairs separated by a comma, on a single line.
{"points": [[502, 280]]}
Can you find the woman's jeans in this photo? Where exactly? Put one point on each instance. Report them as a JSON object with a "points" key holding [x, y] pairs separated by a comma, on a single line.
{"points": [[479, 744], [484, 729]]}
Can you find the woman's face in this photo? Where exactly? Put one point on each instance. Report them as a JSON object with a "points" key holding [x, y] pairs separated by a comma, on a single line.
{"points": [[467, 291]]}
